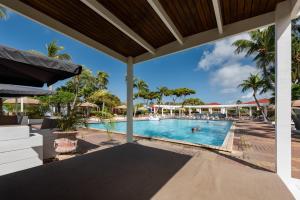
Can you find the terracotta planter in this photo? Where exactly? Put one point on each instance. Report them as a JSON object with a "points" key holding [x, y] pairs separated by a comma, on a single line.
{"points": [[66, 134]]}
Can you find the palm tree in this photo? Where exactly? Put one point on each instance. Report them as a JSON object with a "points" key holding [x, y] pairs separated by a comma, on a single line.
{"points": [[255, 83], [142, 87], [102, 80], [53, 51], [262, 45], [162, 91], [3, 13]]}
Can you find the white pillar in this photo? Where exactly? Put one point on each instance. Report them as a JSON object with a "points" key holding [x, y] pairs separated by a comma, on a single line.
{"points": [[22, 104], [283, 89], [162, 111], [129, 100], [190, 111], [171, 111], [250, 111], [223, 110], [210, 110], [226, 112], [16, 105]]}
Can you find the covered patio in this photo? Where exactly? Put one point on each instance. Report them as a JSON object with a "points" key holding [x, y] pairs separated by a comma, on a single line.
{"points": [[136, 31], [132, 171]]}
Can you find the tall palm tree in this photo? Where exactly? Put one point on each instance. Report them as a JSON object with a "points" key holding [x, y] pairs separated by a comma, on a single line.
{"points": [[255, 83], [53, 51], [102, 80], [142, 87], [262, 45], [3, 12]]}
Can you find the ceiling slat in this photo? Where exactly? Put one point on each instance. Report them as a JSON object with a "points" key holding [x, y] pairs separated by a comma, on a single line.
{"points": [[218, 15], [102, 11], [166, 19]]}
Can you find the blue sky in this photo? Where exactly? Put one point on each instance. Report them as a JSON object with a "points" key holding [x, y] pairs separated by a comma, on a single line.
{"points": [[213, 70]]}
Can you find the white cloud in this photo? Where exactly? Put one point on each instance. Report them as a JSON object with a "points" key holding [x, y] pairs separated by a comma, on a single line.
{"points": [[228, 77], [247, 95], [222, 53]]}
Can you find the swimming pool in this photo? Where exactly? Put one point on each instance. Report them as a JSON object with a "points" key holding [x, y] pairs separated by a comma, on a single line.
{"points": [[209, 133]]}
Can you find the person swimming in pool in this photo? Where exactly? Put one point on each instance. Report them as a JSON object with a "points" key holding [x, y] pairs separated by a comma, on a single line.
{"points": [[195, 129]]}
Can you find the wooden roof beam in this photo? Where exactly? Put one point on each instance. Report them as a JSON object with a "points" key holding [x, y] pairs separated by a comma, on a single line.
{"points": [[217, 9], [160, 11], [295, 5], [106, 14], [44, 19], [210, 36]]}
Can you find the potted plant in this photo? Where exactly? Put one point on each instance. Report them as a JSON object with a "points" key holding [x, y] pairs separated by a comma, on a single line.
{"points": [[66, 141]]}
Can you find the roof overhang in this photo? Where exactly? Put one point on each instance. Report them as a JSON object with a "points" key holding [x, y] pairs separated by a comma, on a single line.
{"points": [[149, 29]]}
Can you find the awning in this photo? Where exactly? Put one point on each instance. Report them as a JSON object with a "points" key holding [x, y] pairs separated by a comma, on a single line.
{"points": [[25, 68], [7, 90]]}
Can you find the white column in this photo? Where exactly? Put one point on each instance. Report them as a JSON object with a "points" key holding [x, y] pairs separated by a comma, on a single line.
{"points": [[190, 111], [171, 111], [210, 110], [223, 110], [200, 110], [283, 89], [226, 112], [250, 111], [16, 105], [162, 111], [129, 100], [22, 104]]}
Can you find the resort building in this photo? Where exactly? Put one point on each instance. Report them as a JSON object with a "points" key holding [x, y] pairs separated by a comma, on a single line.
{"points": [[132, 32], [215, 107]]}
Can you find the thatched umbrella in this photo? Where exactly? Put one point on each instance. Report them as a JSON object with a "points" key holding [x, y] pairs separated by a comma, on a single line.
{"points": [[142, 109], [88, 106], [26, 100], [296, 103], [23, 101], [121, 107]]}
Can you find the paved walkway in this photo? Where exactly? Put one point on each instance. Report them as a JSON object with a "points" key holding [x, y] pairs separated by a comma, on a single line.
{"points": [[254, 142], [137, 172]]}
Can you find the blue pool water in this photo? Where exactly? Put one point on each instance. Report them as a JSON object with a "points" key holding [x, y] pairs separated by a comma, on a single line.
{"points": [[210, 132]]}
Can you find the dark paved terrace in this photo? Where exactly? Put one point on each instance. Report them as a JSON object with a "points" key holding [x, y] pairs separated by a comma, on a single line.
{"points": [[132, 171]]}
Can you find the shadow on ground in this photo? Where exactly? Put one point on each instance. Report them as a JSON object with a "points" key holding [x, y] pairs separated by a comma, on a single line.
{"points": [[84, 146], [127, 171]]}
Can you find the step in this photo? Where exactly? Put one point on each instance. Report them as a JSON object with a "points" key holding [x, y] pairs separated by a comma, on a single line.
{"points": [[34, 140], [22, 154], [19, 165], [12, 132]]}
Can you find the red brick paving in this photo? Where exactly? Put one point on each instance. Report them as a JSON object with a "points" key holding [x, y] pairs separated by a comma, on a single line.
{"points": [[254, 142]]}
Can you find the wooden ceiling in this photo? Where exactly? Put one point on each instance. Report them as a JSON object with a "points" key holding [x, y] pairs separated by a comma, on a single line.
{"points": [[190, 17], [236, 10]]}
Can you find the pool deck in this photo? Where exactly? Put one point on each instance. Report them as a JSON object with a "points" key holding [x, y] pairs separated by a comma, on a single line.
{"points": [[139, 172], [253, 142], [151, 169]]}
